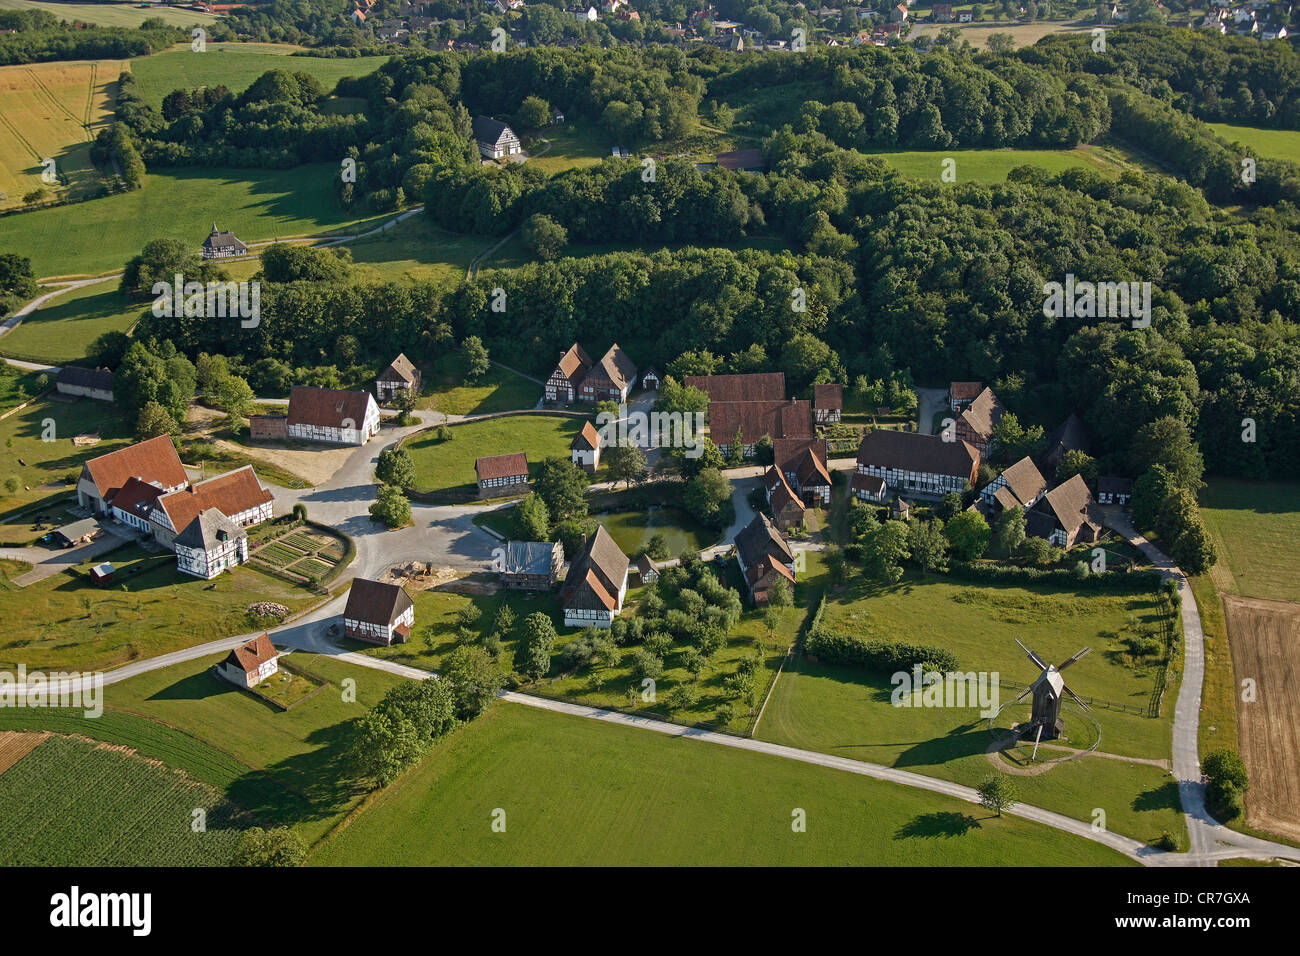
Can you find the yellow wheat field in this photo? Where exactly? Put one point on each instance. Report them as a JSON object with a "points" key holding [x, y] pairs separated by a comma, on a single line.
{"points": [[52, 111]]}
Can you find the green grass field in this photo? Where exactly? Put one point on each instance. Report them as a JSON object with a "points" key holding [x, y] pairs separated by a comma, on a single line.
{"points": [[988, 165], [572, 147], [101, 235], [113, 14], [151, 608], [1254, 526], [73, 802], [64, 329], [236, 66], [39, 465], [415, 251], [444, 465], [578, 792], [1266, 143]]}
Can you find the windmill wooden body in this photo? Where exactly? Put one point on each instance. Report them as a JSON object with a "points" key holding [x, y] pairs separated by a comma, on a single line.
{"points": [[1045, 722]]}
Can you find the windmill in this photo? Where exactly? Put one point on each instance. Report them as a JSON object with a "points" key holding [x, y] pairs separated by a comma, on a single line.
{"points": [[1045, 722]]}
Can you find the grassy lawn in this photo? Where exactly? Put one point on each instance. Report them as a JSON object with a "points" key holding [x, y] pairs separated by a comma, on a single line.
{"points": [[443, 465], [499, 390], [847, 711], [38, 464], [1254, 525], [988, 165], [1266, 143], [17, 386], [64, 329], [578, 792], [281, 766], [415, 251], [572, 147], [112, 14], [150, 609], [72, 802], [237, 65], [1218, 724], [101, 235]]}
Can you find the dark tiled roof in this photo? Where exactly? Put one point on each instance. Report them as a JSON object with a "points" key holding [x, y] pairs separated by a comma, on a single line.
{"points": [[401, 369], [614, 366], [1024, 480], [983, 414], [375, 602], [751, 387], [760, 539], [912, 451], [218, 240], [206, 529], [828, 396], [792, 419], [965, 391], [1070, 435], [501, 466], [599, 556], [74, 375], [490, 131], [1070, 503], [742, 159], [1114, 485]]}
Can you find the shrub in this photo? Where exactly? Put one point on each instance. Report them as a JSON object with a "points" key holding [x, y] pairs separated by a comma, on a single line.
{"points": [[876, 654]]}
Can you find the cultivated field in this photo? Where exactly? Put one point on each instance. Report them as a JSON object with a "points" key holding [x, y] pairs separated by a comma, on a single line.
{"points": [[579, 792], [75, 802], [112, 14], [64, 329], [1265, 638], [51, 110], [1256, 530], [441, 466], [1024, 34], [15, 745], [236, 66]]}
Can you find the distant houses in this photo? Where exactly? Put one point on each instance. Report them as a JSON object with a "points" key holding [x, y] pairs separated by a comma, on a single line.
{"points": [[328, 415], [651, 378], [646, 570], [495, 139], [913, 464], [250, 664], [378, 613], [222, 245], [596, 582], [764, 557], [577, 378], [96, 383], [531, 565], [399, 378], [500, 475]]}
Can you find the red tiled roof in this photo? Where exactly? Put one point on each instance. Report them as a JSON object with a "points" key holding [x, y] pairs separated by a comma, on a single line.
{"points": [[574, 364], [828, 396], [231, 493], [501, 466], [137, 497], [249, 657], [586, 439], [327, 407], [964, 391], [750, 387], [152, 460], [792, 419]]}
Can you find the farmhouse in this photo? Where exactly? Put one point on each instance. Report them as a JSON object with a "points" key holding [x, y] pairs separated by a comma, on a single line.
{"points": [[1064, 516], [154, 461], [751, 387], [977, 421], [610, 379], [209, 544], [531, 565], [237, 495], [776, 420], [787, 509], [585, 448], [400, 377], [502, 474], [222, 245], [495, 139], [1020, 486], [646, 570], [942, 12], [961, 394], [764, 557], [596, 583], [332, 415], [651, 378], [803, 462], [250, 664], [1070, 435], [923, 465], [868, 488], [1113, 490], [562, 385], [379, 613], [828, 403], [135, 502], [96, 383]]}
